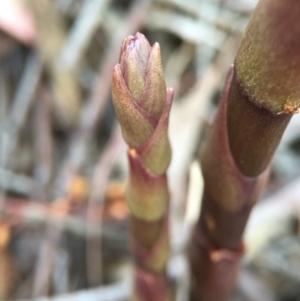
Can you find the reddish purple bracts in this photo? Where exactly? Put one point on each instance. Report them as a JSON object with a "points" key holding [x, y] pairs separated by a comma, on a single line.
{"points": [[143, 104], [149, 287], [153, 259], [147, 194], [215, 270]]}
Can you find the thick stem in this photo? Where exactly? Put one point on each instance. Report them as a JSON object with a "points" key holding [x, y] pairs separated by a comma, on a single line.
{"points": [[253, 132], [146, 233], [230, 192], [261, 94], [214, 270], [268, 60], [224, 228]]}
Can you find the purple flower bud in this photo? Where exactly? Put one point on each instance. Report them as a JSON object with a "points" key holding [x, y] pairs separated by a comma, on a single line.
{"points": [[142, 72], [134, 57], [142, 102]]}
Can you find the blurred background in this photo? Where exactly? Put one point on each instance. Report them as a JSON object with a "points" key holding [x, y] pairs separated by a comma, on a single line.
{"points": [[63, 167]]}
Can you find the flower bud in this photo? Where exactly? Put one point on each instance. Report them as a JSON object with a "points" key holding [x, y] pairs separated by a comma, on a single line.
{"points": [[139, 89]]}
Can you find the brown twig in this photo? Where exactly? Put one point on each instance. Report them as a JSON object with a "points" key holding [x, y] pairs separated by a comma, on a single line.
{"points": [[23, 99], [87, 22], [43, 141], [115, 292], [45, 262], [51, 36], [10, 181], [3, 112], [114, 147]]}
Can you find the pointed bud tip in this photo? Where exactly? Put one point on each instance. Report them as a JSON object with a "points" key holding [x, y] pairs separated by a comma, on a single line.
{"points": [[139, 35], [135, 43], [156, 48], [170, 95], [116, 68], [134, 58], [117, 73]]}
